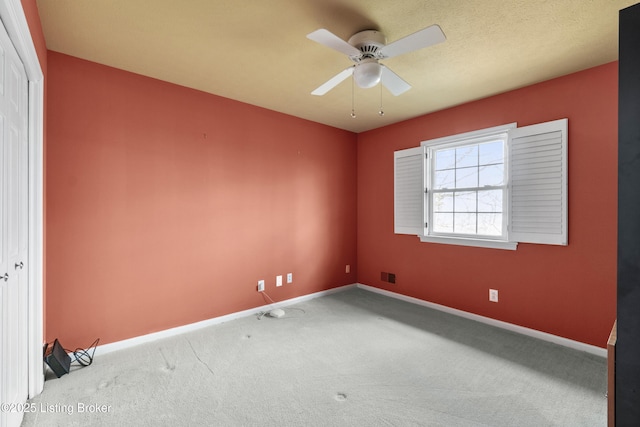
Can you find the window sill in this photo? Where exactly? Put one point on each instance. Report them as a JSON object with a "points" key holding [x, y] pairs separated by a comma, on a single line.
{"points": [[480, 243]]}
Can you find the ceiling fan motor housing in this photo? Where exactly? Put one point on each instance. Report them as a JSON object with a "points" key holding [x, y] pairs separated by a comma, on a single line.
{"points": [[368, 42]]}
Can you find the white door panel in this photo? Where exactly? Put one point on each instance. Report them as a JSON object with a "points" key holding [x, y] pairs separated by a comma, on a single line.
{"points": [[13, 232]]}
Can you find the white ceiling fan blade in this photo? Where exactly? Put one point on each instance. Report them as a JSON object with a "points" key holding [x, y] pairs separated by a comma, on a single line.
{"points": [[327, 38], [333, 81], [418, 40], [393, 82]]}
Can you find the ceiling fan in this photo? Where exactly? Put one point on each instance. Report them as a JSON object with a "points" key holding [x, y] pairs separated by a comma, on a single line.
{"points": [[366, 49]]}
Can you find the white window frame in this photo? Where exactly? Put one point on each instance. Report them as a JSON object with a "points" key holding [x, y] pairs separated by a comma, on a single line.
{"points": [[472, 138], [414, 216]]}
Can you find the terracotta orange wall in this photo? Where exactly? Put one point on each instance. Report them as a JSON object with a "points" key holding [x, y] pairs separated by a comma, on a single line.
{"points": [[567, 291], [166, 205], [30, 9]]}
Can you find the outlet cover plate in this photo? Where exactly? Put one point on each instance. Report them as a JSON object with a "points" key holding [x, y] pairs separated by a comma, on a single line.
{"points": [[493, 295], [260, 285], [278, 280], [289, 277]]}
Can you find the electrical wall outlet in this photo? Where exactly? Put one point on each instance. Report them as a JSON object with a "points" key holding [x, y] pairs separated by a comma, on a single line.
{"points": [[289, 277], [278, 280], [260, 285], [347, 269], [493, 295]]}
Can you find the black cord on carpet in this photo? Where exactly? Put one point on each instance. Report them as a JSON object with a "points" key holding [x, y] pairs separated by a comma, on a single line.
{"points": [[82, 355]]}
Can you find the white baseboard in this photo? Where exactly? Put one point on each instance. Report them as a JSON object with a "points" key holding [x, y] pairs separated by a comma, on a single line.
{"points": [[576, 345], [132, 342]]}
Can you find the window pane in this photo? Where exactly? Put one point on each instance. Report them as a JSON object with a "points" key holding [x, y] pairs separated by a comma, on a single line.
{"points": [[460, 204], [464, 223], [443, 202], [491, 175], [444, 179], [445, 159], [467, 177], [443, 222], [490, 201], [465, 201], [466, 156], [490, 224], [491, 152]]}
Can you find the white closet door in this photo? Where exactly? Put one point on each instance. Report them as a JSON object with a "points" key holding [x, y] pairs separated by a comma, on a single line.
{"points": [[14, 233]]}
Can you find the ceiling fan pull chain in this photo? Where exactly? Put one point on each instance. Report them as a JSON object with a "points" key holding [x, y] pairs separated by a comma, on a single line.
{"points": [[353, 90], [381, 112]]}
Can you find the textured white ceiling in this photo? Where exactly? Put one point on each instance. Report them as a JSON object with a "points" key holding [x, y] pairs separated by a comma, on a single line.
{"points": [[256, 51]]}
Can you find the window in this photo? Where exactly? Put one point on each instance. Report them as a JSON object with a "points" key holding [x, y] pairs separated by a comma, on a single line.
{"points": [[467, 188], [492, 188]]}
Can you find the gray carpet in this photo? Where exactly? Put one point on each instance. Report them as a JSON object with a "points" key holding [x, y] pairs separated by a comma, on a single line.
{"points": [[353, 358]]}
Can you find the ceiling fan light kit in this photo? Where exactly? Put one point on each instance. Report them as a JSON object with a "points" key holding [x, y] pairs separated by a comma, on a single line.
{"points": [[366, 49], [367, 73]]}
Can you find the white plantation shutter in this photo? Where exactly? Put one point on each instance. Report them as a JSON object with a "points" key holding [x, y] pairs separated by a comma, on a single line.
{"points": [[538, 183], [409, 191]]}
